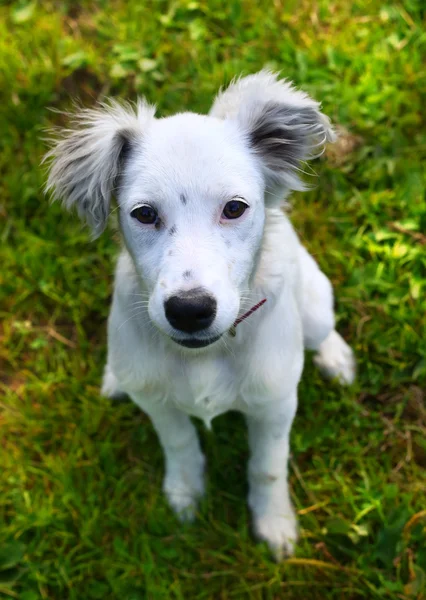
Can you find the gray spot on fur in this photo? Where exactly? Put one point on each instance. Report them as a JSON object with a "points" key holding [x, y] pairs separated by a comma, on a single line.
{"points": [[172, 230], [242, 235], [264, 478], [187, 274], [183, 199], [280, 133], [284, 135]]}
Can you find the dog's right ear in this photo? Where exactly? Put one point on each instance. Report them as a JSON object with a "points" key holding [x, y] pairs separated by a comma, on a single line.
{"points": [[283, 127], [87, 159]]}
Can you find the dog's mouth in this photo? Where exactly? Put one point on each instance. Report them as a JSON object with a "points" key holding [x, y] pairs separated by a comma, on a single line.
{"points": [[196, 342]]}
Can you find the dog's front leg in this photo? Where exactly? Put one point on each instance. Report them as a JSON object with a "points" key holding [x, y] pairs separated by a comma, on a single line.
{"points": [[184, 469], [273, 515]]}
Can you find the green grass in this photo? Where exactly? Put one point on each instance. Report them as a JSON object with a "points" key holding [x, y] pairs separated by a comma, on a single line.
{"points": [[82, 515]]}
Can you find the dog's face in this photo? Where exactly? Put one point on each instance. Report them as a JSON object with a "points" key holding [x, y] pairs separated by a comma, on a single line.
{"points": [[191, 212], [191, 192]]}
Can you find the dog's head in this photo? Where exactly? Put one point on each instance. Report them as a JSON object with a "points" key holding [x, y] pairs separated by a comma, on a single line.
{"points": [[191, 192]]}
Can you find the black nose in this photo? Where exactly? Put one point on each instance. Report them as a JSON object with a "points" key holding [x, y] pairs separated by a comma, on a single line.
{"points": [[191, 311]]}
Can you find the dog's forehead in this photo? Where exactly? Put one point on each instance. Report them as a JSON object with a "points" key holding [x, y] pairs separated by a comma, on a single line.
{"points": [[194, 152], [191, 135]]}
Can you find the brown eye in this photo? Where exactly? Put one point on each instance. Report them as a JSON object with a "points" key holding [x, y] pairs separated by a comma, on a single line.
{"points": [[234, 209], [145, 214]]}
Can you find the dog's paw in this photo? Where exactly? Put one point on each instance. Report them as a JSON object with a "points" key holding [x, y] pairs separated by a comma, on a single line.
{"points": [[184, 487], [184, 505], [335, 359], [279, 532]]}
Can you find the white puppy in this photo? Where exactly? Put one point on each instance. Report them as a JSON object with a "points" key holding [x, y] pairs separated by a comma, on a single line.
{"points": [[205, 240]]}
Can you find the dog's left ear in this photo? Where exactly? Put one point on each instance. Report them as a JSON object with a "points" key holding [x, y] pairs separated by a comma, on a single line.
{"points": [[283, 126], [87, 160]]}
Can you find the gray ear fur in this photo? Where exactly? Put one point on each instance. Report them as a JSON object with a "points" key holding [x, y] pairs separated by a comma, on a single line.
{"points": [[86, 160], [283, 126]]}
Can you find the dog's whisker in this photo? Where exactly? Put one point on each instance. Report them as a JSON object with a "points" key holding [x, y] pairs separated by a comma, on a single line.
{"points": [[144, 303]]}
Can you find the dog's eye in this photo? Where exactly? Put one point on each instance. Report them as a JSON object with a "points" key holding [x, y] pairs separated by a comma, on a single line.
{"points": [[145, 214], [234, 209]]}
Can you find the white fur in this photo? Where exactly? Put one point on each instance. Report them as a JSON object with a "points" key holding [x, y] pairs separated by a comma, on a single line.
{"points": [[335, 359], [187, 167]]}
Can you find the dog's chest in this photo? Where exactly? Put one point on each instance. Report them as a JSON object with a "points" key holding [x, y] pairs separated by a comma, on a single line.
{"points": [[206, 387]]}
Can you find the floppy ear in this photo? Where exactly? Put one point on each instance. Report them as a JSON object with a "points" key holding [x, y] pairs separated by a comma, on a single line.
{"points": [[87, 159], [283, 126]]}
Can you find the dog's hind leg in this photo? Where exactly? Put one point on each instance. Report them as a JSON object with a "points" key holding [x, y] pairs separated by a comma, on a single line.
{"points": [[110, 385], [334, 357]]}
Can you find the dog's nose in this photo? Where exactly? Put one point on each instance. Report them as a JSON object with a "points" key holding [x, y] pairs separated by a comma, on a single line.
{"points": [[191, 311]]}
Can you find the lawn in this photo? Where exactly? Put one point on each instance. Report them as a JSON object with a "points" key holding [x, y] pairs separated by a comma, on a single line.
{"points": [[82, 515]]}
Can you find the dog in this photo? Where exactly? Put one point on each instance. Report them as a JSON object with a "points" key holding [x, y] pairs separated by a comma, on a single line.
{"points": [[215, 298]]}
